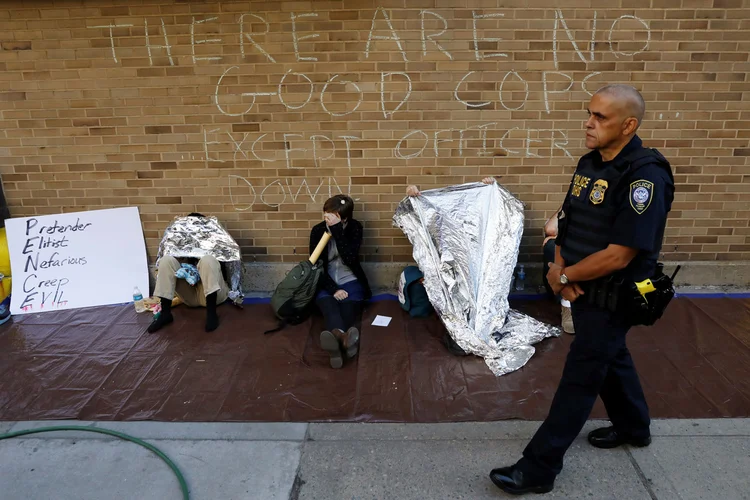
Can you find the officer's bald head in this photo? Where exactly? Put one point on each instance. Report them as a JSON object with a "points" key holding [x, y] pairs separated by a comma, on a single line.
{"points": [[628, 97]]}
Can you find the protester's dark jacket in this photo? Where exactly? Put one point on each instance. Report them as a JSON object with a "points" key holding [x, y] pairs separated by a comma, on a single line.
{"points": [[348, 240]]}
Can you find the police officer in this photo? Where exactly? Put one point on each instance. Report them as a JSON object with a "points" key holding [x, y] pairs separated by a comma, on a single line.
{"points": [[611, 225]]}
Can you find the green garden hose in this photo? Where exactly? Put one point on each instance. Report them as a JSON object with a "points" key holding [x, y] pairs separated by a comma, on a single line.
{"points": [[140, 442]]}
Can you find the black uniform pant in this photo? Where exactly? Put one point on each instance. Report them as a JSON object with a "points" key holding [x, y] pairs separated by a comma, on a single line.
{"points": [[598, 364]]}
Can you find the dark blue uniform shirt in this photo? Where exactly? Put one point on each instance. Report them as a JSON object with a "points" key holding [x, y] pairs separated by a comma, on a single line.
{"points": [[643, 201]]}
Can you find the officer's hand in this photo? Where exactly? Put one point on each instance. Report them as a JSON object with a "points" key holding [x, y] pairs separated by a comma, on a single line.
{"points": [[553, 277], [489, 180], [569, 293], [340, 295], [412, 191]]}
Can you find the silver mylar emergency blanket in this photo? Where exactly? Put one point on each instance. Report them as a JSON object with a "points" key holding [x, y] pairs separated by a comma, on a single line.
{"points": [[198, 236], [465, 240]]}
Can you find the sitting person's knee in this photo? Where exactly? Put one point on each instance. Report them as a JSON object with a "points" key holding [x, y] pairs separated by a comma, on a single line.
{"points": [[208, 262], [549, 248], [168, 262], [208, 259]]}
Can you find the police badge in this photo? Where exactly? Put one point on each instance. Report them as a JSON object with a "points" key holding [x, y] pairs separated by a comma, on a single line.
{"points": [[640, 195], [597, 193]]}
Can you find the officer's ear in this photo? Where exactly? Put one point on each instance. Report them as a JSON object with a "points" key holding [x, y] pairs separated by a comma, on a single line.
{"points": [[630, 125]]}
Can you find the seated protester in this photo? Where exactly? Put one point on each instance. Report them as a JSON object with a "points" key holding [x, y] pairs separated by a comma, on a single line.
{"points": [[343, 286], [548, 255], [548, 250], [175, 275]]}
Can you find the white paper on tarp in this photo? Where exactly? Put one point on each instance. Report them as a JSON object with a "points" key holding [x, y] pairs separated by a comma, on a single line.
{"points": [[80, 259], [381, 320]]}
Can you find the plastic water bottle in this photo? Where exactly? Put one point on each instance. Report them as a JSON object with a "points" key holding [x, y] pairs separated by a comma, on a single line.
{"points": [[520, 279], [138, 301]]}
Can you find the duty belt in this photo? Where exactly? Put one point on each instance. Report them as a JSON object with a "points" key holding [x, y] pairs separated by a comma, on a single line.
{"points": [[640, 303]]}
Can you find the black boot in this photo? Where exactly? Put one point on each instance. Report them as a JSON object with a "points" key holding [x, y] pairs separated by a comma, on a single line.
{"points": [[212, 318], [513, 481], [165, 316], [608, 437]]}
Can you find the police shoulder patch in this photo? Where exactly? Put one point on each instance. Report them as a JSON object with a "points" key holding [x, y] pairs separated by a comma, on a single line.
{"points": [[641, 193]]}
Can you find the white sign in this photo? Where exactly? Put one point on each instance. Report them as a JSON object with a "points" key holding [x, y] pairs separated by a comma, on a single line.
{"points": [[79, 259]]}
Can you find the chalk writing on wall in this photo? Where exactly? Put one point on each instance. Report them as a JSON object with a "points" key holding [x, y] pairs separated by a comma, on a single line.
{"points": [[297, 87], [381, 23]]}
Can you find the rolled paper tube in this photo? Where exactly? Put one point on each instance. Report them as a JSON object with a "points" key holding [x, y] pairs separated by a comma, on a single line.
{"points": [[319, 249]]}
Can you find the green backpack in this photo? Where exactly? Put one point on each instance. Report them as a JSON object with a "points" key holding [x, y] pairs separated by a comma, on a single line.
{"points": [[294, 297]]}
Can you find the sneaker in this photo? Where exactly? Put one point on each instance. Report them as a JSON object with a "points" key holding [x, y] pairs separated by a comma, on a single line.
{"points": [[329, 341], [567, 321], [351, 342]]}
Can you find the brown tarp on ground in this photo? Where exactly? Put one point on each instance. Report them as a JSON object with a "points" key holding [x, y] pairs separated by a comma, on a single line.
{"points": [[99, 364]]}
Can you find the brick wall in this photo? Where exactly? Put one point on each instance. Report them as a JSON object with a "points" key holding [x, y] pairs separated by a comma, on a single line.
{"points": [[256, 111]]}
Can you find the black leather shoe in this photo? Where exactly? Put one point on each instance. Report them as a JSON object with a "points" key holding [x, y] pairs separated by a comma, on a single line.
{"points": [[608, 437], [513, 481]]}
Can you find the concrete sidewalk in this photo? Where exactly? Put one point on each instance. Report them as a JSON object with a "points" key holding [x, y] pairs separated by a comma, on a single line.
{"points": [[701, 459]]}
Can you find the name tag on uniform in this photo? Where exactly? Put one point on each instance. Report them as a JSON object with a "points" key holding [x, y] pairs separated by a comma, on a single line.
{"points": [[579, 182]]}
